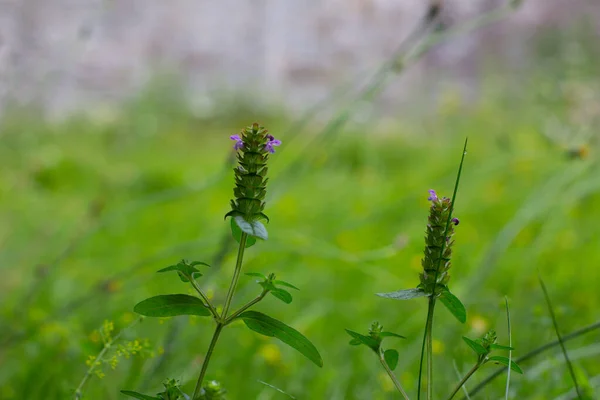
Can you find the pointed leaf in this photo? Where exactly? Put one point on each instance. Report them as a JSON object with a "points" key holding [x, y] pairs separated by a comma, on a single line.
{"points": [[500, 347], [286, 284], [504, 361], [139, 396], [454, 305], [373, 344], [403, 294], [477, 348], [391, 358], [282, 295], [265, 325], [185, 269], [254, 228], [391, 334], [236, 232], [171, 305]]}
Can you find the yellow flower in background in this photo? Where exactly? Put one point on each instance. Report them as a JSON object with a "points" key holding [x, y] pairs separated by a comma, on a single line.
{"points": [[270, 353], [479, 325], [437, 347], [385, 382]]}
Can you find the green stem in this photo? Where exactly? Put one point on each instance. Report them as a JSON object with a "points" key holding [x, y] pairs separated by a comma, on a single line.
{"points": [[214, 312], [244, 308], [464, 380], [221, 319], [236, 275], [426, 335], [209, 352], [393, 377], [430, 350]]}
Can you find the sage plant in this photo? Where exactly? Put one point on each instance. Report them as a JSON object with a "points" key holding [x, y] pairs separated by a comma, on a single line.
{"points": [[253, 146], [433, 285]]}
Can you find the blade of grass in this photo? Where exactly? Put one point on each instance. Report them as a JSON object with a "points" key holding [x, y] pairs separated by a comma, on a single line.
{"points": [[560, 340], [510, 351]]}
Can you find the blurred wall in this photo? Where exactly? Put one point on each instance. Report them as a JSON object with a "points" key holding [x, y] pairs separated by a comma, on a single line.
{"points": [[72, 54]]}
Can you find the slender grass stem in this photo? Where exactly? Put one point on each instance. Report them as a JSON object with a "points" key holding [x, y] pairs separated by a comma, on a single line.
{"points": [[222, 318], [430, 350], [560, 340], [209, 353], [464, 380], [393, 377]]}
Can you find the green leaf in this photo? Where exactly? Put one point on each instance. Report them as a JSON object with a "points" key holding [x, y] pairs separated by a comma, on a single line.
{"points": [[185, 269], [403, 294], [139, 396], [500, 347], [355, 342], [171, 305], [282, 295], [504, 361], [391, 358], [373, 344], [454, 305], [265, 325], [236, 232], [254, 228], [286, 284], [391, 334], [477, 348], [256, 274]]}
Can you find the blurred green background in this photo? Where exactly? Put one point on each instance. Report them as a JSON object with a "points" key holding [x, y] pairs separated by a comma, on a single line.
{"points": [[90, 210]]}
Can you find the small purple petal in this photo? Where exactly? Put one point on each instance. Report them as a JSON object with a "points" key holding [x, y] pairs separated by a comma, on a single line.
{"points": [[432, 195], [272, 142], [238, 142], [455, 221]]}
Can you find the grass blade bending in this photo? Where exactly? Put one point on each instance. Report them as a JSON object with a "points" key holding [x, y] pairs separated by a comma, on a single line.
{"points": [[560, 340]]}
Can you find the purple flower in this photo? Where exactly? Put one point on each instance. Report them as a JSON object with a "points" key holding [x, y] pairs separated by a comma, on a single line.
{"points": [[238, 142], [432, 195], [272, 142], [455, 221]]}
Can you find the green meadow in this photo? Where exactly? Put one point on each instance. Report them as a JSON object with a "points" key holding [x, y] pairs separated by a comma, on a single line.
{"points": [[91, 209]]}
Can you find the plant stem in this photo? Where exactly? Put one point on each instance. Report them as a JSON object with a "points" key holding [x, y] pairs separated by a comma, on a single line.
{"points": [[244, 308], [426, 334], [203, 296], [430, 349], [236, 276], [221, 319], [393, 377], [209, 352], [464, 380]]}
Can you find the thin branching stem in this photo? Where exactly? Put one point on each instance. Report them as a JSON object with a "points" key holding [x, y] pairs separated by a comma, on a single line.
{"points": [[393, 377], [204, 297], [223, 317], [464, 380], [245, 307]]}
